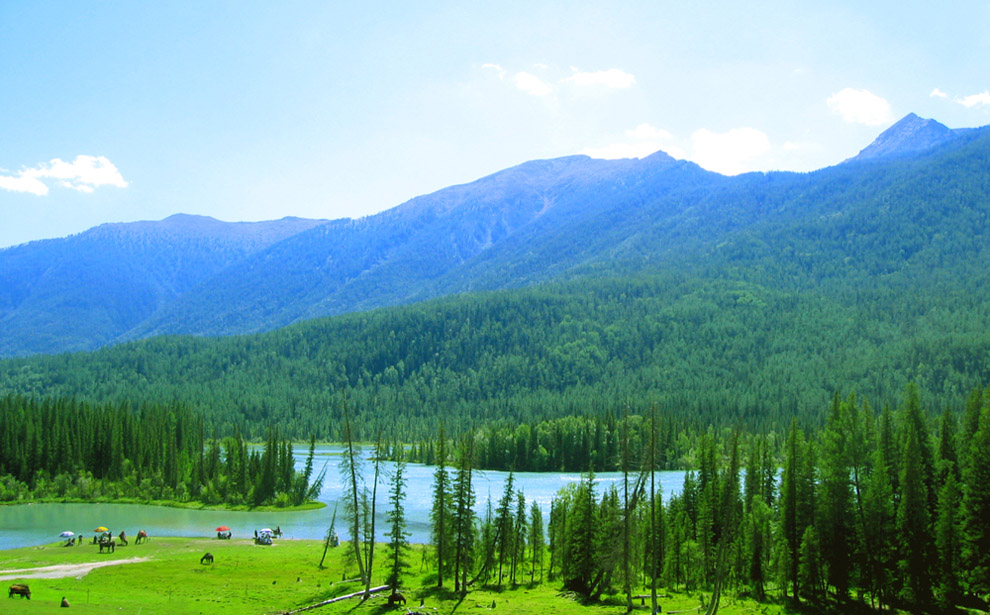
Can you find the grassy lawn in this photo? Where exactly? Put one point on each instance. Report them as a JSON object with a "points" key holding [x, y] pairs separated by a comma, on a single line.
{"points": [[248, 578]]}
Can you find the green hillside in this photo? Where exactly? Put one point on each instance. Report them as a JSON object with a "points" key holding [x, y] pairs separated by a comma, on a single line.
{"points": [[714, 350]]}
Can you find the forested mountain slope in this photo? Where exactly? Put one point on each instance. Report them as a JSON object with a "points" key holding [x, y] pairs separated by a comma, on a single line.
{"points": [[752, 300], [540, 221], [83, 291]]}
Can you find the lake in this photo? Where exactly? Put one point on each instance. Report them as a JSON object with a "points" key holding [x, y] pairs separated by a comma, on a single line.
{"points": [[35, 524]]}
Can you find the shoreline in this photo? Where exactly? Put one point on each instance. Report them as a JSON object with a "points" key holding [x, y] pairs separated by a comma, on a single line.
{"points": [[312, 505]]}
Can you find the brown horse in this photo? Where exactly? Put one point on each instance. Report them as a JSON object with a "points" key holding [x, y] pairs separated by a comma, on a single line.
{"points": [[396, 598], [21, 590], [206, 559], [109, 544], [141, 537]]}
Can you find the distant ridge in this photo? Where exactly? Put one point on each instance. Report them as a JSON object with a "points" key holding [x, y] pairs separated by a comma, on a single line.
{"points": [[540, 221], [910, 135]]}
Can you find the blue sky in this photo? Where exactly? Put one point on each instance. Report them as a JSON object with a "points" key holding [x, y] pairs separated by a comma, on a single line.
{"points": [[122, 111]]}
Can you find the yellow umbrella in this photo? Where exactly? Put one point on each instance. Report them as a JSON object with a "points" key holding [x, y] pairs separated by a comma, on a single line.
{"points": [[101, 529]]}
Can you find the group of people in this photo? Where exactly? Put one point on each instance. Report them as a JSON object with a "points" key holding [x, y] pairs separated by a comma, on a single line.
{"points": [[264, 537]]}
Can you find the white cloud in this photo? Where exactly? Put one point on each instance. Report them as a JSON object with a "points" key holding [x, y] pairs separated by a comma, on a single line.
{"points": [[495, 67], [937, 93], [611, 78], [729, 152], [860, 107], [23, 183], [531, 84], [983, 98], [791, 146], [647, 139], [83, 174], [647, 131]]}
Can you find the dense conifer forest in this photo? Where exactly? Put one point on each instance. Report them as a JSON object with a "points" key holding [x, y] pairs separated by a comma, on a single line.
{"points": [[706, 351], [880, 509], [63, 449]]}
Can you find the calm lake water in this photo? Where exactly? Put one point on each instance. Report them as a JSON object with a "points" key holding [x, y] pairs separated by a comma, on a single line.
{"points": [[35, 524]]}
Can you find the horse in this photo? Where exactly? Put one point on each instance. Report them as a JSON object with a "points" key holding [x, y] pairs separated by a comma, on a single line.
{"points": [[123, 538], [206, 559], [110, 545], [65, 603], [21, 590], [278, 531], [396, 598], [141, 537]]}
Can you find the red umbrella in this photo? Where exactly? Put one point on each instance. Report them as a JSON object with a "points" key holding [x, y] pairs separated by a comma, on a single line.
{"points": [[223, 528]]}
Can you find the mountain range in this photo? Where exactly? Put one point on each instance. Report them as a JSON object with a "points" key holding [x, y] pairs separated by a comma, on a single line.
{"points": [[911, 208]]}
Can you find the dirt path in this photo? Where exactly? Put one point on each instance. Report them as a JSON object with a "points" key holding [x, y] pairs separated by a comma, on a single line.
{"points": [[63, 570]]}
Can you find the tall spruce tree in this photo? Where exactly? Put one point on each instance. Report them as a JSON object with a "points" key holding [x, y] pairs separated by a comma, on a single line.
{"points": [[440, 513], [537, 542], [398, 537], [350, 469], [796, 504], [464, 533], [947, 541], [913, 519], [835, 494], [976, 509]]}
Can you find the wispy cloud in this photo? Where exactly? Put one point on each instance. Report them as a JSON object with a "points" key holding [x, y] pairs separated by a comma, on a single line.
{"points": [[937, 93], [644, 139], [612, 78], [84, 174], [495, 67], [531, 84], [860, 107], [648, 131], [983, 98], [537, 83]]}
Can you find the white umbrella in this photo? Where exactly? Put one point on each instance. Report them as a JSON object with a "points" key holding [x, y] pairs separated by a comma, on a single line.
{"points": [[266, 530], [67, 534]]}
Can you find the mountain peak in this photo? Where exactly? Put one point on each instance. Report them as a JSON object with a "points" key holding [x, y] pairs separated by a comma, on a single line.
{"points": [[909, 135]]}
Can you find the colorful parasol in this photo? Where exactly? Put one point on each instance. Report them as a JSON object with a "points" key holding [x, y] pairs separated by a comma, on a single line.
{"points": [[67, 534], [223, 528], [101, 529]]}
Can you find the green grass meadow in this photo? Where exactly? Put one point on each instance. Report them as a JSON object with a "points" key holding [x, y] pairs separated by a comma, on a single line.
{"points": [[256, 579]]}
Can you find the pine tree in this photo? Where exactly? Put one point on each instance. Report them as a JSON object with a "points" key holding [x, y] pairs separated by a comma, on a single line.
{"points": [[504, 539], [913, 520], [440, 513], [809, 564], [464, 536], [521, 526], [579, 567], [796, 504], [370, 513], [537, 542], [976, 509], [398, 537], [835, 495], [947, 540], [350, 463]]}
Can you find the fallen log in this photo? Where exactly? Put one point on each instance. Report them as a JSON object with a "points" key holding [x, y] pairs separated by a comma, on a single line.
{"points": [[337, 599]]}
